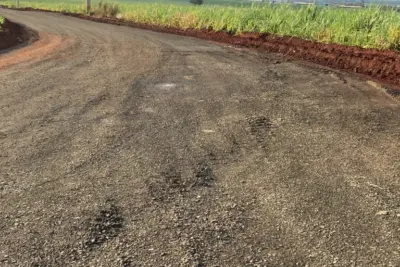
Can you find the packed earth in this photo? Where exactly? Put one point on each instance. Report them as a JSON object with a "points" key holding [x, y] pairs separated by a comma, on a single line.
{"points": [[121, 146]]}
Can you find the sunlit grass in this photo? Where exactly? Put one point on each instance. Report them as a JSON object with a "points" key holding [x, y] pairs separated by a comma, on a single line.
{"points": [[73, 7], [369, 27], [1, 23]]}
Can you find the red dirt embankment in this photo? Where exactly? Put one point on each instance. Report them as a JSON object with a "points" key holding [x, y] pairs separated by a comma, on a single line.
{"points": [[382, 66], [12, 34]]}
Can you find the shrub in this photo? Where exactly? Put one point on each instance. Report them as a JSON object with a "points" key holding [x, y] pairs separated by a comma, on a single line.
{"points": [[196, 2], [105, 9], [2, 20]]}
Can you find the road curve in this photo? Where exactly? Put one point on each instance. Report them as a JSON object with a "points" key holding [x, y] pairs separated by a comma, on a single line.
{"points": [[123, 147]]}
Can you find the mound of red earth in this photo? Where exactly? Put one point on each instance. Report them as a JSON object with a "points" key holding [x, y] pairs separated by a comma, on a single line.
{"points": [[382, 66], [13, 34]]}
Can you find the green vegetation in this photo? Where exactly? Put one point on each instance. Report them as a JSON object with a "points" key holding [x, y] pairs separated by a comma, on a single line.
{"points": [[106, 9], [1, 23], [370, 27]]}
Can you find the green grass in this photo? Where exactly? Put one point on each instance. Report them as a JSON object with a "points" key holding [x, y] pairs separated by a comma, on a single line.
{"points": [[2, 19], [368, 27]]}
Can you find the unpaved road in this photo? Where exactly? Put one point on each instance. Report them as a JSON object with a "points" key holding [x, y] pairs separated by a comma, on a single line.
{"points": [[123, 147]]}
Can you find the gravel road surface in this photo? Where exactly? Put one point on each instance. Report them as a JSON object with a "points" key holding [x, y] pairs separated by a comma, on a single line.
{"points": [[124, 147]]}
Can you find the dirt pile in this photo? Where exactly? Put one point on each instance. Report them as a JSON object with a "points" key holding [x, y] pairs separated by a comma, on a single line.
{"points": [[12, 35]]}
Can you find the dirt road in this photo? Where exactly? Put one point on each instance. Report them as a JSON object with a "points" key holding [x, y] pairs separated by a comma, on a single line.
{"points": [[123, 147]]}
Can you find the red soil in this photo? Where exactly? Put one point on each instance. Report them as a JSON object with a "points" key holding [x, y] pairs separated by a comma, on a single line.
{"points": [[42, 48], [382, 66]]}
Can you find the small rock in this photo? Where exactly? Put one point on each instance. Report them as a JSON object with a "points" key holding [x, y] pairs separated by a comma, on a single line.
{"points": [[382, 212]]}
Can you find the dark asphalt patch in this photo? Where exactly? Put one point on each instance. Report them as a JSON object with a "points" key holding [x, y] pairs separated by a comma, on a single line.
{"points": [[204, 174], [93, 102], [259, 124], [166, 185], [271, 75], [173, 178], [170, 183], [3, 135], [260, 127], [106, 226]]}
